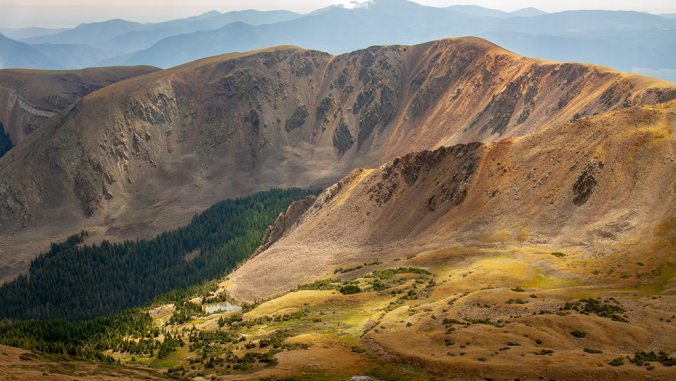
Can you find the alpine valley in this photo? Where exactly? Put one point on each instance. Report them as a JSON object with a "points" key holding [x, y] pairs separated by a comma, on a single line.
{"points": [[442, 211]]}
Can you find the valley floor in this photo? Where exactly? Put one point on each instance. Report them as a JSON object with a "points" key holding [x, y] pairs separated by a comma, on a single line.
{"points": [[467, 314]]}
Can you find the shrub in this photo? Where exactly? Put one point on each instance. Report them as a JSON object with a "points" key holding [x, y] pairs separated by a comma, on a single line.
{"points": [[578, 333], [589, 350], [357, 349], [617, 362], [558, 254], [297, 119], [350, 289]]}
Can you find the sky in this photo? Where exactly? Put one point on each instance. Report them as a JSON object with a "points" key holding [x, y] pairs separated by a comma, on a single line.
{"points": [[69, 13]]}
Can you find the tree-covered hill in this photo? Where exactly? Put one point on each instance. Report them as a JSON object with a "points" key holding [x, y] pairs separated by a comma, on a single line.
{"points": [[76, 281]]}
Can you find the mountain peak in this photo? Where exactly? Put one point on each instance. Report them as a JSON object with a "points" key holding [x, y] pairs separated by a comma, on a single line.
{"points": [[528, 12]]}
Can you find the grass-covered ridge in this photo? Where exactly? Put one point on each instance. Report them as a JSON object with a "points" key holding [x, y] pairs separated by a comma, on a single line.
{"points": [[76, 281]]}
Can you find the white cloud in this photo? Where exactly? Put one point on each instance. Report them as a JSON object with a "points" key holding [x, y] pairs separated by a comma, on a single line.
{"points": [[353, 4]]}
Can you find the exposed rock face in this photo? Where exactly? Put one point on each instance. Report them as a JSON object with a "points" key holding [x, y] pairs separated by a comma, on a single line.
{"points": [[285, 222], [590, 187], [143, 155], [585, 184], [29, 97]]}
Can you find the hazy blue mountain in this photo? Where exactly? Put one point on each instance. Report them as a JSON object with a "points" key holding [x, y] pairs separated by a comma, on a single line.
{"points": [[21, 33], [477, 11], [621, 55], [15, 54], [671, 16], [152, 33], [72, 56], [91, 34], [528, 12], [117, 60], [621, 40], [580, 23], [336, 31]]}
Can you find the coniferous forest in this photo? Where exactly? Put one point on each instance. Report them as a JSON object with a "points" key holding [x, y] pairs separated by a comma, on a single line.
{"points": [[77, 281]]}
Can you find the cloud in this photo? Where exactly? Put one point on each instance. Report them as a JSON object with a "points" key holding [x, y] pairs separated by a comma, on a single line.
{"points": [[353, 4]]}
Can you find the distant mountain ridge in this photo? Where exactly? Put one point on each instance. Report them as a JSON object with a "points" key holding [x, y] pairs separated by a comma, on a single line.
{"points": [[477, 11], [20, 55], [621, 40], [125, 36]]}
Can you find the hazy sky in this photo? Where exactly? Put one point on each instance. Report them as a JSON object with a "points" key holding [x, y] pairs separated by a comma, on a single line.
{"points": [[68, 13]]}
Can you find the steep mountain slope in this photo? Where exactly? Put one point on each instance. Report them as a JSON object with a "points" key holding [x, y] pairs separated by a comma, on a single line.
{"points": [[601, 189], [29, 97], [17, 54], [145, 154]]}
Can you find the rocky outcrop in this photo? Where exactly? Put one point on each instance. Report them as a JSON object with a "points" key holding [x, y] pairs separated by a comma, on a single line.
{"points": [[285, 223]]}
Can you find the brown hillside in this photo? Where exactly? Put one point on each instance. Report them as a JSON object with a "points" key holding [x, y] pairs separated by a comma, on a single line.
{"points": [[29, 97], [601, 189], [20, 364], [145, 154]]}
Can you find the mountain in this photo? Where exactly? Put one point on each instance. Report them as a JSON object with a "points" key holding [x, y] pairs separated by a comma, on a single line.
{"points": [[18, 34], [336, 31], [477, 11], [75, 56], [528, 12], [613, 53], [621, 40], [142, 39], [20, 55], [504, 260], [143, 155], [125, 36], [28, 98], [89, 34], [574, 187]]}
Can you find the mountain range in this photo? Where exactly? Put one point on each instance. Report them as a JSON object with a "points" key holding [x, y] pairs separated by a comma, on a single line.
{"points": [[621, 40], [143, 155]]}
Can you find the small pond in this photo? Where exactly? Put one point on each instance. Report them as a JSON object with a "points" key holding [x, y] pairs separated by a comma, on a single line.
{"points": [[220, 307]]}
